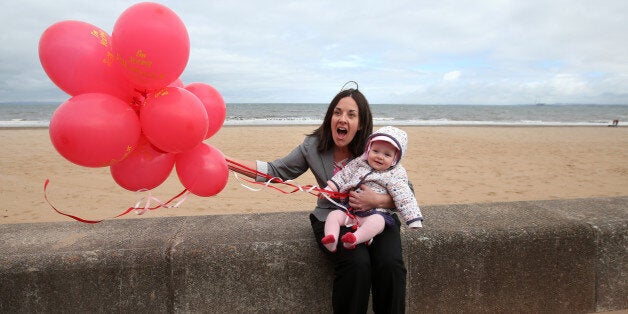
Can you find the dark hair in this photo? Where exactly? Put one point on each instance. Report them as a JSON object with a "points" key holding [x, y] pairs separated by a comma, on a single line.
{"points": [[356, 147]]}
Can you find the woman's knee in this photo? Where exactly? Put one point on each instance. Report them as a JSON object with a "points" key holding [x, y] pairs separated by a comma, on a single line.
{"points": [[388, 264], [354, 263]]}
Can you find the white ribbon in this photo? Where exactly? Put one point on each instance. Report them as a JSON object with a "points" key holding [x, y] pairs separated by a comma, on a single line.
{"points": [[141, 210], [348, 221]]}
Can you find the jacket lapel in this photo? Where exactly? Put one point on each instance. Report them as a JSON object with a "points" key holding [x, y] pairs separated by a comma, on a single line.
{"points": [[327, 160]]}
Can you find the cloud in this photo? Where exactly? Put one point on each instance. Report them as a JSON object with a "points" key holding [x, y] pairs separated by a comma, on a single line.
{"points": [[451, 76], [399, 51], [350, 61]]}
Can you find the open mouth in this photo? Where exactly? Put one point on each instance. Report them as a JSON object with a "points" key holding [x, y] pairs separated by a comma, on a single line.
{"points": [[341, 131]]}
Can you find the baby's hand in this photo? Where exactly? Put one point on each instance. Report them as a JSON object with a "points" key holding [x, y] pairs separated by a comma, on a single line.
{"points": [[331, 186]]}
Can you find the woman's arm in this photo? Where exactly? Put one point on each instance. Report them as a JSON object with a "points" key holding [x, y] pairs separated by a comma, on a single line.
{"points": [[286, 168], [368, 199]]}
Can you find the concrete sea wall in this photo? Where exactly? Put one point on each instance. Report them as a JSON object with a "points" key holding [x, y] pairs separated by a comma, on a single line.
{"points": [[541, 256]]}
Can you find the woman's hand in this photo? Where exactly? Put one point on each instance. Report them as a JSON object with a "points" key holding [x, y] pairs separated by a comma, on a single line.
{"points": [[365, 199], [238, 169]]}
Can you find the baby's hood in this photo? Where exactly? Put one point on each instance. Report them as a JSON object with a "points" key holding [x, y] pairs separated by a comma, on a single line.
{"points": [[397, 136]]}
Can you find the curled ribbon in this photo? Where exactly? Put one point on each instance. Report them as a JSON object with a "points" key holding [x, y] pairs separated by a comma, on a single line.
{"points": [[141, 210], [138, 210], [312, 189], [351, 220], [271, 182]]}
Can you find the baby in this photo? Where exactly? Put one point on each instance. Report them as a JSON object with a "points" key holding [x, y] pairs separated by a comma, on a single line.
{"points": [[378, 168]]}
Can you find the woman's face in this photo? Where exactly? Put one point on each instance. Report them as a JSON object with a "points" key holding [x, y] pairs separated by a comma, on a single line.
{"points": [[345, 122]]}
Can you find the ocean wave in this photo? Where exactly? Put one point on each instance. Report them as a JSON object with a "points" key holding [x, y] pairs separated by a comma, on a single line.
{"points": [[20, 123], [377, 122], [21, 115]]}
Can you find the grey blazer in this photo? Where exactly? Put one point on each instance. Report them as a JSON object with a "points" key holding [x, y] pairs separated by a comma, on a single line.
{"points": [[298, 161]]}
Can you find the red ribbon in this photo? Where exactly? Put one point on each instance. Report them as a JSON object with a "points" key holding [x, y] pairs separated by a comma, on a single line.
{"points": [[295, 188], [306, 188], [128, 210], [312, 189]]}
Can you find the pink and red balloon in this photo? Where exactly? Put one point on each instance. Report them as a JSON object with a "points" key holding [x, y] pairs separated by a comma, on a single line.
{"points": [[214, 105], [94, 129], [152, 44], [173, 119], [177, 83], [144, 169], [202, 170], [77, 57], [129, 108]]}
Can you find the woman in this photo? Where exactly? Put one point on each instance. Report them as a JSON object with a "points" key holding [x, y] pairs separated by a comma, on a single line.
{"points": [[379, 266]]}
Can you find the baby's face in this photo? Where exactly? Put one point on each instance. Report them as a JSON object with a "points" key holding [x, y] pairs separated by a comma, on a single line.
{"points": [[381, 155]]}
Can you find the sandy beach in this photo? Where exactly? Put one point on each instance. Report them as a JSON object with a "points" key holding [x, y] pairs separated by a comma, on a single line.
{"points": [[447, 165]]}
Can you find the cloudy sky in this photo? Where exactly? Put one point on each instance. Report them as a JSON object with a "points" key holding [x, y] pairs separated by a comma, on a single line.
{"points": [[415, 52]]}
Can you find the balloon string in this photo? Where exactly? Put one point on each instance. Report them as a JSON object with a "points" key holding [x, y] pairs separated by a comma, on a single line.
{"points": [[311, 189], [350, 221], [138, 210], [141, 210]]}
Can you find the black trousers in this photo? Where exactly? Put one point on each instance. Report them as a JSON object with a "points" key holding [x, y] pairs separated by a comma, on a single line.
{"points": [[378, 266]]}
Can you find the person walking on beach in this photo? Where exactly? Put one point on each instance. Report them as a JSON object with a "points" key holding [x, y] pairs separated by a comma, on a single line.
{"points": [[379, 168], [378, 267]]}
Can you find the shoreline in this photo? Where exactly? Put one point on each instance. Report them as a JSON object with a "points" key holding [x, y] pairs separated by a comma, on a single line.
{"points": [[448, 164], [375, 126]]}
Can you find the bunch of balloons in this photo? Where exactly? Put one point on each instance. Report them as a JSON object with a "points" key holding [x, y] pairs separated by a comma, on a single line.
{"points": [[128, 108]]}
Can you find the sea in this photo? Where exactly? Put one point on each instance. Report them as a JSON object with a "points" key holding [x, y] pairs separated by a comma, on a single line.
{"points": [[37, 114]]}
